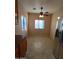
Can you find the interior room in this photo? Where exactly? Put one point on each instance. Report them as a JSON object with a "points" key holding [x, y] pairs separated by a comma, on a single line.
{"points": [[39, 29]]}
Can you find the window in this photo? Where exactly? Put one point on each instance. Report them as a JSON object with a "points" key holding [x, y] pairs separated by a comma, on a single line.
{"points": [[23, 23], [39, 24]]}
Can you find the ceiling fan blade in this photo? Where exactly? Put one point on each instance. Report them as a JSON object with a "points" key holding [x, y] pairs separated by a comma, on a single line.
{"points": [[46, 13]]}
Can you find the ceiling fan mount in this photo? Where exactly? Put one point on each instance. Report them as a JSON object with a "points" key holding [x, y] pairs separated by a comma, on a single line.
{"points": [[42, 13]]}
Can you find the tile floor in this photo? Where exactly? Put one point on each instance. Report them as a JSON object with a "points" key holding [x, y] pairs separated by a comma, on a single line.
{"points": [[39, 47]]}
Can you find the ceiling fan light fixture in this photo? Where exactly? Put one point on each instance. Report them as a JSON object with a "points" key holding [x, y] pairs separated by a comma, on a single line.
{"points": [[41, 16], [41, 13]]}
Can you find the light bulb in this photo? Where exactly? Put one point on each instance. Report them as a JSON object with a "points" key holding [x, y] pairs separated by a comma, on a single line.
{"points": [[58, 18], [41, 16]]}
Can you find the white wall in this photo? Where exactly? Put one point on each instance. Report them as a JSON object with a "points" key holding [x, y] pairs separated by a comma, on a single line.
{"points": [[21, 12], [43, 32]]}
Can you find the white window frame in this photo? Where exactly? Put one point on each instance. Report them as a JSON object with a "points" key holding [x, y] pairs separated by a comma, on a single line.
{"points": [[38, 24]]}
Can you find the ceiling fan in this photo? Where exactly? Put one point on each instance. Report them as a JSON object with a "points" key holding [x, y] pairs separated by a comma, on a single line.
{"points": [[42, 14]]}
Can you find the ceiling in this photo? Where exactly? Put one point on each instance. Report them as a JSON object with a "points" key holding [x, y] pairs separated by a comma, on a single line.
{"points": [[48, 5]]}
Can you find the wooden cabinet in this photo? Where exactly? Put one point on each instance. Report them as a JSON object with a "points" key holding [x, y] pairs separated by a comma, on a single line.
{"points": [[20, 46]]}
